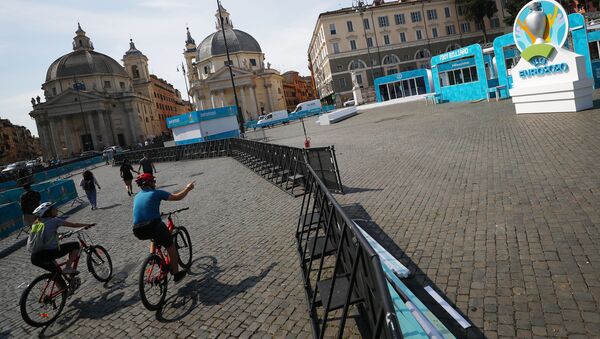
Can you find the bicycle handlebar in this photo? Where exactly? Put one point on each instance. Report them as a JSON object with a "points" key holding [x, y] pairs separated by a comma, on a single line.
{"points": [[70, 233], [174, 212]]}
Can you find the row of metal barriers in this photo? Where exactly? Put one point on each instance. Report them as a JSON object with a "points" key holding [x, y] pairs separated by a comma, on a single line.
{"points": [[209, 149]]}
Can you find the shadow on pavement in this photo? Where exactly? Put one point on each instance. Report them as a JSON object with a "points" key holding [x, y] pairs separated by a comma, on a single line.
{"points": [[109, 207], [205, 289], [98, 307], [418, 280], [196, 174], [350, 190]]}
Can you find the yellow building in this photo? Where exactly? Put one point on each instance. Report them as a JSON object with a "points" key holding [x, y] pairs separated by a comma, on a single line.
{"points": [[398, 36], [259, 88], [17, 143]]}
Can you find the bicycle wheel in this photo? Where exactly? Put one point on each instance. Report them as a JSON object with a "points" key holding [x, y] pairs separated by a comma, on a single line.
{"points": [[99, 263], [42, 301], [183, 242], [153, 282]]}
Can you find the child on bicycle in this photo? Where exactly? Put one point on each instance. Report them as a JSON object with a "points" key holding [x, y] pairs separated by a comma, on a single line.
{"points": [[43, 240], [147, 223]]}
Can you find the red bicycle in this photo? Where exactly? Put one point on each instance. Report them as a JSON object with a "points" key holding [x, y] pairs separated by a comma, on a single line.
{"points": [[44, 298], [154, 275]]}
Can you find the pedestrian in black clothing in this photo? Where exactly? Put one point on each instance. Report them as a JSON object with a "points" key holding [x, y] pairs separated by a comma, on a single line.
{"points": [[146, 165], [127, 176], [30, 200]]}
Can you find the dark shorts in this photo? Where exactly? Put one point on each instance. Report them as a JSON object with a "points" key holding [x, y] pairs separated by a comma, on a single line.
{"points": [[46, 258], [155, 230]]}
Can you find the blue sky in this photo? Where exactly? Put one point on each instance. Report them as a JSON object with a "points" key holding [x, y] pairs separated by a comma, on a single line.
{"points": [[35, 33]]}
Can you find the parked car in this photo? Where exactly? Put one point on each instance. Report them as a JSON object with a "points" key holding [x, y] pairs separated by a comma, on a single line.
{"points": [[14, 166], [349, 103], [90, 153], [115, 149], [274, 118]]}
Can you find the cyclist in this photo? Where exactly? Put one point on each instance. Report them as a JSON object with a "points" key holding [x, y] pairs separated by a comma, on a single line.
{"points": [[43, 240], [147, 223]]}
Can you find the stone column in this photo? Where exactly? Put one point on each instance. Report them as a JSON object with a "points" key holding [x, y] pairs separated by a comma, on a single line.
{"points": [[222, 96], [105, 136], [90, 118], [269, 99], [200, 103], [243, 103], [66, 132], [54, 138], [44, 139], [212, 100], [254, 100]]}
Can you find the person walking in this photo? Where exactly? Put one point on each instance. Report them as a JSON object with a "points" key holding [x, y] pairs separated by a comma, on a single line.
{"points": [[89, 183], [147, 165], [30, 200], [127, 176]]}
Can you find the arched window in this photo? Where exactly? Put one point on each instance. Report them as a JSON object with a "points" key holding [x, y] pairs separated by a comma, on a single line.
{"points": [[391, 59], [135, 72], [356, 64], [422, 54]]}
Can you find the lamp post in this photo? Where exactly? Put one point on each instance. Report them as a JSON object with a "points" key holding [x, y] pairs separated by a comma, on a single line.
{"points": [[78, 86], [360, 7], [229, 64]]}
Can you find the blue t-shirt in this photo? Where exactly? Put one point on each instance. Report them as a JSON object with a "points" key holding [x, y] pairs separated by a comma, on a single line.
{"points": [[146, 205]]}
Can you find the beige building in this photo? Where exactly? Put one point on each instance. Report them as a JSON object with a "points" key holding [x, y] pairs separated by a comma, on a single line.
{"points": [[92, 101], [17, 143], [259, 88], [398, 35]]}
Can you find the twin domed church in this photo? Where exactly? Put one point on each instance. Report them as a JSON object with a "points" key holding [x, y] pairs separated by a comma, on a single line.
{"points": [[92, 101]]}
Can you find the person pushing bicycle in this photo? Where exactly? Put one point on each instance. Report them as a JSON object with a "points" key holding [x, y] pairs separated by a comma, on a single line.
{"points": [[43, 240], [147, 223]]}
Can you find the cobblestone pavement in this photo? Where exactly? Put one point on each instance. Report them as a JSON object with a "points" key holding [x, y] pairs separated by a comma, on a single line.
{"points": [[244, 280], [501, 212]]}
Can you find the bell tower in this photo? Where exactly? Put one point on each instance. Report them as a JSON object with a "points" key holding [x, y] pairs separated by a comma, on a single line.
{"points": [[136, 64], [81, 41]]}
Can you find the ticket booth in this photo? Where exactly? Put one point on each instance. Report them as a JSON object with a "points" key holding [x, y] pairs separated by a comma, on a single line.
{"points": [[205, 125], [405, 84], [460, 75]]}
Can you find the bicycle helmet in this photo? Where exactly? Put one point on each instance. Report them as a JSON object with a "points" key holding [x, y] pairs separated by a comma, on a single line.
{"points": [[144, 178], [42, 209]]}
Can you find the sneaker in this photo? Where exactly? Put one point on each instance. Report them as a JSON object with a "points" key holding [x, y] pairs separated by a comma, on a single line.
{"points": [[129, 193], [70, 271], [179, 275]]}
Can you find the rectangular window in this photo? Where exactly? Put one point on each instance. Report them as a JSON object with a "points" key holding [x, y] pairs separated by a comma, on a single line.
{"points": [[332, 29], [465, 27], [419, 34], [399, 18], [253, 62], [353, 45], [459, 9], [350, 27], [383, 21], [450, 30], [434, 32], [370, 42], [107, 84], [53, 90], [336, 48], [495, 22], [447, 12], [593, 46], [402, 37], [342, 82], [479, 26], [415, 16], [431, 14], [359, 79], [122, 84], [459, 76], [366, 24], [205, 69], [386, 39]]}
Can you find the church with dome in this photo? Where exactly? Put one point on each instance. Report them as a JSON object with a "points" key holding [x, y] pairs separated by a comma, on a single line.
{"points": [[92, 101], [259, 87]]}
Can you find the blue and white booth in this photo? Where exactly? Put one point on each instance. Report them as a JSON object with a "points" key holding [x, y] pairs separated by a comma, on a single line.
{"points": [[460, 75], [404, 84], [205, 125]]}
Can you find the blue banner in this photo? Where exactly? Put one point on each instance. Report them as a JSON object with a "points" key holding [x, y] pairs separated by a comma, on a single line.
{"points": [[197, 116], [458, 64], [11, 218]]}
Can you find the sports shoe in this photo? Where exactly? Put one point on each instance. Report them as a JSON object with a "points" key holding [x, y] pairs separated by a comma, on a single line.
{"points": [[129, 193], [70, 271], [179, 275]]}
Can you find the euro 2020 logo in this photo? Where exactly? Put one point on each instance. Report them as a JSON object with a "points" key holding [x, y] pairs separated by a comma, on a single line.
{"points": [[540, 27]]}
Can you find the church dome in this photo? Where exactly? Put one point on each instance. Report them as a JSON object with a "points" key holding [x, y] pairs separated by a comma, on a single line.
{"points": [[83, 62], [237, 41]]}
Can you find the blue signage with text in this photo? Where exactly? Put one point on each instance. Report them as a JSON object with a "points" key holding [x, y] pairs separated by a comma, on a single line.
{"points": [[197, 116]]}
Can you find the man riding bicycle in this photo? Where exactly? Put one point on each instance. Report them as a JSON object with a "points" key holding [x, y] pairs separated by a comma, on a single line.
{"points": [[43, 240], [147, 223]]}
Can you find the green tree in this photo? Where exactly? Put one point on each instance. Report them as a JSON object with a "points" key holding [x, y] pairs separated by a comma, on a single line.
{"points": [[513, 7], [476, 10]]}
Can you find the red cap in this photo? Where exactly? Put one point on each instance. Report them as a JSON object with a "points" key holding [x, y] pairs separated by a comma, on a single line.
{"points": [[144, 177]]}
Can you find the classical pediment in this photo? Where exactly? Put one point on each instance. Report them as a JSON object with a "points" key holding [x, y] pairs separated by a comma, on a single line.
{"points": [[71, 96], [223, 74]]}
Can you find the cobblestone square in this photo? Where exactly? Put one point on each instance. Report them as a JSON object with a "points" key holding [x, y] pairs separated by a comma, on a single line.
{"points": [[499, 211]]}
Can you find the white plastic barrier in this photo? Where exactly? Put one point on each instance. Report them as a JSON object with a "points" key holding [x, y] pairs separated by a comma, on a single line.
{"points": [[337, 115]]}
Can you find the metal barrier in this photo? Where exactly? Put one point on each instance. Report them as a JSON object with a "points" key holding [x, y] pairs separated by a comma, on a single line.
{"points": [[208, 149], [324, 162], [325, 235]]}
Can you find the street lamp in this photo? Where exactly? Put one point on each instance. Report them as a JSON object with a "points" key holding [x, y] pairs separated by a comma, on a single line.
{"points": [[360, 7]]}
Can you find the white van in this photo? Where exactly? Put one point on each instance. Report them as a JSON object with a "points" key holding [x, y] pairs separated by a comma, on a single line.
{"points": [[308, 107], [272, 119]]}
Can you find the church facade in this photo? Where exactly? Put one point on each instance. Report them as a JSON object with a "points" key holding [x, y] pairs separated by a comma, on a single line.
{"points": [[259, 88], [92, 101]]}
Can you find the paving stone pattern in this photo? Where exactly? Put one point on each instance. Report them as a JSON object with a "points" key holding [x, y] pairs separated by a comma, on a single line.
{"points": [[499, 211], [244, 282]]}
